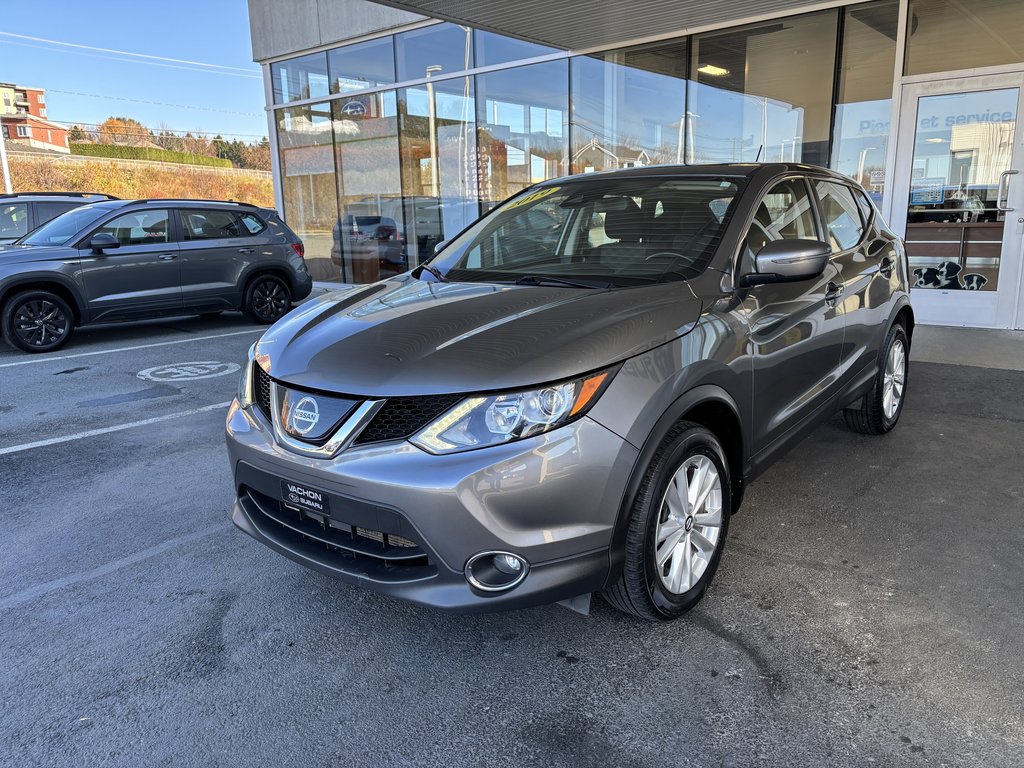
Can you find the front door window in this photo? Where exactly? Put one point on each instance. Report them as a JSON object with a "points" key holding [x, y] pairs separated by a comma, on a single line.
{"points": [[963, 144]]}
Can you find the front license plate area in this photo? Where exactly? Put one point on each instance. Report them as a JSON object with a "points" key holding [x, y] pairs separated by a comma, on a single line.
{"points": [[302, 497]]}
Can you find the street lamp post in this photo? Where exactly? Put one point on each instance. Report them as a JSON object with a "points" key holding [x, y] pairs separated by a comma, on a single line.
{"points": [[3, 165]]}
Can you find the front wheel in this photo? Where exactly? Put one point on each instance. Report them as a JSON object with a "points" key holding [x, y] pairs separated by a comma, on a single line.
{"points": [[37, 321], [677, 527], [880, 409], [267, 299]]}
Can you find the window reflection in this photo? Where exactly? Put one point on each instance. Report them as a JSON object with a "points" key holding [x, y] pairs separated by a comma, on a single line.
{"points": [[438, 156], [363, 65], [764, 91], [628, 107], [946, 35], [368, 238], [522, 138], [433, 51], [304, 137], [304, 77], [863, 108], [492, 48]]}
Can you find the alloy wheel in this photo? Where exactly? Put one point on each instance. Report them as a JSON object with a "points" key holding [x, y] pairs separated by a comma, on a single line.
{"points": [[269, 300], [40, 323], [894, 378], [689, 525]]}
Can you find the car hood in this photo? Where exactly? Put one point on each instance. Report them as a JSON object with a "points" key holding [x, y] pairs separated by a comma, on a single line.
{"points": [[409, 337], [20, 253]]}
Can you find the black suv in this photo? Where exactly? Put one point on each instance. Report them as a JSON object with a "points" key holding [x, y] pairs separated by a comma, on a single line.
{"points": [[22, 212], [128, 259]]}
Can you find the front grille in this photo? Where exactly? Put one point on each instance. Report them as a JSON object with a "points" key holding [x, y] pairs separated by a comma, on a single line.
{"points": [[261, 390], [378, 554], [402, 417]]}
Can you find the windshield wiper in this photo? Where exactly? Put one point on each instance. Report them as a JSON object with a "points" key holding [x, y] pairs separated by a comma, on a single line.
{"points": [[433, 270], [548, 280]]}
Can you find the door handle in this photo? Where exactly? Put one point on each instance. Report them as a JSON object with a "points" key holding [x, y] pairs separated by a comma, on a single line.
{"points": [[1003, 190], [887, 266], [247, 250], [168, 256], [833, 291]]}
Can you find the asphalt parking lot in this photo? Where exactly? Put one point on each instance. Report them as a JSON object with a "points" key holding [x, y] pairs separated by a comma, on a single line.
{"points": [[868, 610]]}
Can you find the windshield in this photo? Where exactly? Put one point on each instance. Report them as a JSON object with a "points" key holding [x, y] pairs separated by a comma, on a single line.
{"points": [[598, 232], [60, 230]]}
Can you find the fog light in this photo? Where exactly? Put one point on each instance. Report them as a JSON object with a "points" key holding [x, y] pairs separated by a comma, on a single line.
{"points": [[496, 571]]}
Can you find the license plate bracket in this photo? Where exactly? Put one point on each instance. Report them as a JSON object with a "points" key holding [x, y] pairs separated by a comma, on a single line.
{"points": [[303, 497]]}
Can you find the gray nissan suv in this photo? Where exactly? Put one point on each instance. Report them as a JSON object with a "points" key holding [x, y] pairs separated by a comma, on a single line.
{"points": [[573, 394], [129, 259]]}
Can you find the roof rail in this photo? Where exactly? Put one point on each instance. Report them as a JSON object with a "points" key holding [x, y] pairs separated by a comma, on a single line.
{"points": [[60, 194], [193, 200]]}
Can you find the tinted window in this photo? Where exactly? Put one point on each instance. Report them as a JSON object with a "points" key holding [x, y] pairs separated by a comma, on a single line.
{"points": [[300, 78], [492, 48], [840, 215], [13, 220], [211, 225], [362, 65], [253, 224], [138, 228], [784, 213], [432, 51], [866, 208], [47, 211]]}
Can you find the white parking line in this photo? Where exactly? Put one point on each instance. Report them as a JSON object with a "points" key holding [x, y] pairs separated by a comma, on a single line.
{"points": [[129, 349], [106, 430], [39, 590]]}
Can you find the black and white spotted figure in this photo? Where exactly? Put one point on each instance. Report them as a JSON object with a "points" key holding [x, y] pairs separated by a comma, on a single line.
{"points": [[942, 276], [974, 281]]}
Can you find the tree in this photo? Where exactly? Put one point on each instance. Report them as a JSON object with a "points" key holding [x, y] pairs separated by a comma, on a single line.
{"points": [[122, 130], [76, 134]]}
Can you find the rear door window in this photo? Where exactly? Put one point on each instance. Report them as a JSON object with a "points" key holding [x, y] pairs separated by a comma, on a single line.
{"points": [[211, 225], [13, 220]]}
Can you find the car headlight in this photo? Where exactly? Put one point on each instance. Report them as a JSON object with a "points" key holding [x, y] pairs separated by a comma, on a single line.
{"points": [[486, 420], [245, 394]]}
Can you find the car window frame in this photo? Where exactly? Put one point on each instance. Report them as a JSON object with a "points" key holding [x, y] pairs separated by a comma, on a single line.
{"points": [[823, 227], [767, 187], [180, 215], [172, 226]]}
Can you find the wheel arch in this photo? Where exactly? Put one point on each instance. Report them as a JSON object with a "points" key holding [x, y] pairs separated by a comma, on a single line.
{"points": [[278, 270], [714, 409], [62, 288]]}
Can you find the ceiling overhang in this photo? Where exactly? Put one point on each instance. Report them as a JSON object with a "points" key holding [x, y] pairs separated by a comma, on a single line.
{"points": [[586, 24]]}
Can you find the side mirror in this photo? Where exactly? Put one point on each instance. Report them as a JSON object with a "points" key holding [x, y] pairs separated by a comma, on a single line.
{"points": [[101, 242], [788, 261], [440, 246]]}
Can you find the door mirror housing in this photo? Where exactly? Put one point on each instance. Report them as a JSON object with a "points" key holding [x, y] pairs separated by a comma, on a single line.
{"points": [[788, 261], [100, 242]]}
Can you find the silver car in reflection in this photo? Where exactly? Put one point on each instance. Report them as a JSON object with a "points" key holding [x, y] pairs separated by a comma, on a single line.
{"points": [[572, 396]]}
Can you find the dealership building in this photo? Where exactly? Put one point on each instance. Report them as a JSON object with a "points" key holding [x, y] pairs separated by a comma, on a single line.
{"points": [[395, 125]]}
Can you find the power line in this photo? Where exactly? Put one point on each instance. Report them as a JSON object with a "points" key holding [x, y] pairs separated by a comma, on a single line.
{"points": [[125, 53], [132, 61], [158, 103]]}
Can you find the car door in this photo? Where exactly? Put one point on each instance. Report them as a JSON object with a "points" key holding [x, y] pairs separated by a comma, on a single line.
{"points": [[866, 261], [215, 246], [796, 329], [141, 276]]}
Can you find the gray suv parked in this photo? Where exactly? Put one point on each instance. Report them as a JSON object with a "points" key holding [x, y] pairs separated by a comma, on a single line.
{"points": [[129, 259], [573, 395]]}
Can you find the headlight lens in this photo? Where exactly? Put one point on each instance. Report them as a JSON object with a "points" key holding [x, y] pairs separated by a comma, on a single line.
{"points": [[486, 420], [245, 396]]}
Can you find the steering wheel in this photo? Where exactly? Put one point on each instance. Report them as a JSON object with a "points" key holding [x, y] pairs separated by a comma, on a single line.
{"points": [[672, 254]]}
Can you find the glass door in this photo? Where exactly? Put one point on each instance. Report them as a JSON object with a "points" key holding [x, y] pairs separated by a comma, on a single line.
{"points": [[959, 198]]}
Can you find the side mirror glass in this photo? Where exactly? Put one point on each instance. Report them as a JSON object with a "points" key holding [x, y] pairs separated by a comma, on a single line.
{"points": [[440, 246], [102, 241], [788, 261]]}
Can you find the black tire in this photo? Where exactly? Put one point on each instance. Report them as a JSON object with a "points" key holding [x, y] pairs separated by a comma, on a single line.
{"points": [[267, 299], [869, 415], [37, 321], [641, 590]]}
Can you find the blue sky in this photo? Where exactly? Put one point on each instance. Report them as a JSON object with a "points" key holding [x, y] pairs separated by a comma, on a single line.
{"points": [[226, 98]]}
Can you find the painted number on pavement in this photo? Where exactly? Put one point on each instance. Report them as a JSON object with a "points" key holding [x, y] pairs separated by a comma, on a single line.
{"points": [[205, 369]]}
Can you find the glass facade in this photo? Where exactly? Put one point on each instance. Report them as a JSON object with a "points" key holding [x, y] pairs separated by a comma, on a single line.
{"points": [[399, 142]]}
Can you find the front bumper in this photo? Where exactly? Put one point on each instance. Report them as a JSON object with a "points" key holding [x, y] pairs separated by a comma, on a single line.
{"points": [[552, 499]]}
